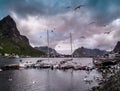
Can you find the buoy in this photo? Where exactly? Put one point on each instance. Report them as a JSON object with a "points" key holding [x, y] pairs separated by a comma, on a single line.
{"points": [[85, 79], [20, 60]]}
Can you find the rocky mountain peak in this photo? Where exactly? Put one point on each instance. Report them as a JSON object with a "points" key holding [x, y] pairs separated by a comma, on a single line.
{"points": [[8, 20], [117, 47], [12, 42], [8, 27]]}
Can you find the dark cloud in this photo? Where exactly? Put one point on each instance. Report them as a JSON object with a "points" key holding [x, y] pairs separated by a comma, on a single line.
{"points": [[38, 7], [102, 11], [91, 21]]}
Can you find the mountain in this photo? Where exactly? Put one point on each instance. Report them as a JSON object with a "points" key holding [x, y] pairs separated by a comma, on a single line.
{"points": [[117, 48], [45, 50], [12, 42], [85, 52]]}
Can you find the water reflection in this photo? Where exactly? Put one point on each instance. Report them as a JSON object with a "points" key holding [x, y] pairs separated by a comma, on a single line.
{"points": [[46, 79]]}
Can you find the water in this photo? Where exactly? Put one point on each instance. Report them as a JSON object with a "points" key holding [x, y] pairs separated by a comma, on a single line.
{"points": [[46, 79]]}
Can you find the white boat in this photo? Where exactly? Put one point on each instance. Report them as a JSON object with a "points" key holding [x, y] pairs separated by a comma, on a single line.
{"points": [[0, 69], [26, 64]]}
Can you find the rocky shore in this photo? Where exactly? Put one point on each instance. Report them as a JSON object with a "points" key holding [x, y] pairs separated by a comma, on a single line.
{"points": [[110, 84], [113, 84]]}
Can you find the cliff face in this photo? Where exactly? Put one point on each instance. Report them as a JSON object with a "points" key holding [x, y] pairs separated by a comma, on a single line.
{"points": [[88, 52], [8, 29], [11, 41], [117, 48]]}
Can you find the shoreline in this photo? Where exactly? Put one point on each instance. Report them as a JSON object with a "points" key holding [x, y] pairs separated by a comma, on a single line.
{"points": [[111, 83]]}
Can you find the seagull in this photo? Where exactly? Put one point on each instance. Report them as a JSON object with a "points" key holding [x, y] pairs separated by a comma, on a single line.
{"points": [[68, 7], [91, 23], [88, 80], [85, 79], [78, 7], [104, 25], [33, 82], [0, 69], [107, 32], [10, 79], [82, 37]]}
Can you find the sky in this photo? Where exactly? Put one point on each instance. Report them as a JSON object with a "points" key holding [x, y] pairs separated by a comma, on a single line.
{"points": [[95, 24]]}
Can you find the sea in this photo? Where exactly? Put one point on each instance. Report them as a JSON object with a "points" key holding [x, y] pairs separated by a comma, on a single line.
{"points": [[47, 79]]}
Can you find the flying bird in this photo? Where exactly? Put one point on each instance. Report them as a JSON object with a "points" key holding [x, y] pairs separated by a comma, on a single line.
{"points": [[91, 23], [68, 7], [78, 7], [104, 25], [107, 32], [82, 37]]}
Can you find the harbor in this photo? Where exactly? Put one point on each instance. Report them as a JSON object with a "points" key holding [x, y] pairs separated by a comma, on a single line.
{"points": [[92, 76], [59, 45], [64, 65], [53, 78]]}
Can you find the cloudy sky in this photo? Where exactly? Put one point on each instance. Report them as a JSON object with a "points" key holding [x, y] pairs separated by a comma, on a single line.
{"points": [[93, 23]]}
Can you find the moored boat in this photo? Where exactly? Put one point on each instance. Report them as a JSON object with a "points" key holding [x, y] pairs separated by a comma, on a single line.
{"points": [[10, 67]]}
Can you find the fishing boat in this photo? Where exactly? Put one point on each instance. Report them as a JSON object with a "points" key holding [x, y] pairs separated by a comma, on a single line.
{"points": [[10, 67]]}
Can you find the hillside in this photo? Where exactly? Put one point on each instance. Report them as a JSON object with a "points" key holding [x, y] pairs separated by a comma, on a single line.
{"points": [[85, 52], [45, 50], [12, 42]]}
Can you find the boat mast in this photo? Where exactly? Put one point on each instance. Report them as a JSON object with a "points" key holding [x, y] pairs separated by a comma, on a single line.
{"points": [[71, 45], [48, 54]]}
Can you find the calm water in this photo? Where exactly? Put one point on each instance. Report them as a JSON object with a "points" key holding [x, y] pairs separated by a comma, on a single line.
{"points": [[46, 79]]}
